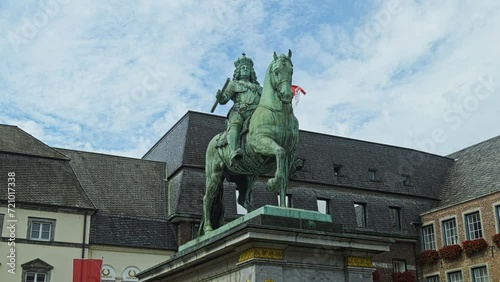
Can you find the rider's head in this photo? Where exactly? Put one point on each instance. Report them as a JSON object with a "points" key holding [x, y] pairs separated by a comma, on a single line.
{"points": [[244, 69]]}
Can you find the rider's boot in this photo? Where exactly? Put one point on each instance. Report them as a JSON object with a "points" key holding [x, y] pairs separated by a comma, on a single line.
{"points": [[232, 139]]}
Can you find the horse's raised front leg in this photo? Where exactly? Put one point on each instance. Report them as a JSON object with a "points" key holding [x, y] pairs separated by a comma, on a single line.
{"points": [[268, 147]]}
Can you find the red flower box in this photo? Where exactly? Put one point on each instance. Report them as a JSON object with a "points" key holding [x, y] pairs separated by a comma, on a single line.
{"points": [[450, 252], [474, 246], [496, 240], [406, 276], [428, 257]]}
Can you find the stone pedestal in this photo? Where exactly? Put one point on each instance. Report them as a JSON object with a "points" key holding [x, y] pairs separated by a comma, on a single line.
{"points": [[273, 244]]}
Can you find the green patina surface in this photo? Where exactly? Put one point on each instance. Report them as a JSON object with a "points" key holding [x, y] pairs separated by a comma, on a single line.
{"points": [[261, 136], [265, 210]]}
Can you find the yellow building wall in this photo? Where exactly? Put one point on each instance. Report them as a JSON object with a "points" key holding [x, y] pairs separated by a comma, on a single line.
{"points": [[68, 232], [120, 258]]}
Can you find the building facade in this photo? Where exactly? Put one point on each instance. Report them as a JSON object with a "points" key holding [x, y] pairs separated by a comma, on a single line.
{"points": [[134, 213], [58, 205], [462, 228]]}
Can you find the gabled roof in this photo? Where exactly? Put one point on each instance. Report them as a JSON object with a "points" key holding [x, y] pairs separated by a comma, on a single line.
{"points": [[131, 197], [43, 181], [120, 185], [43, 174], [37, 265], [475, 173], [16, 141]]}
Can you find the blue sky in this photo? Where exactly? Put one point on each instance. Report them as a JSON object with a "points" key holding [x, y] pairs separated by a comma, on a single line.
{"points": [[114, 76]]}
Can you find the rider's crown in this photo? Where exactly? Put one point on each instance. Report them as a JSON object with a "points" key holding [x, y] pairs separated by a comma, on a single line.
{"points": [[243, 60]]}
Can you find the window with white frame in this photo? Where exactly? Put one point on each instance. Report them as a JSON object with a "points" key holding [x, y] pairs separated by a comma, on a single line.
{"points": [[35, 277], [455, 276], [434, 278], [450, 233], [36, 270], [428, 237], [398, 265], [480, 274], [360, 210], [323, 206], [41, 229], [473, 226]]}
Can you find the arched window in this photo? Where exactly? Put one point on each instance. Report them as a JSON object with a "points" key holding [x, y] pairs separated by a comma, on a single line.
{"points": [[129, 274], [108, 273]]}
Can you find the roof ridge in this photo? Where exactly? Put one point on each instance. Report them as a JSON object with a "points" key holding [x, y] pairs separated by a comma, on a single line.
{"points": [[134, 217], [474, 145], [63, 157], [337, 136], [166, 133], [107, 155]]}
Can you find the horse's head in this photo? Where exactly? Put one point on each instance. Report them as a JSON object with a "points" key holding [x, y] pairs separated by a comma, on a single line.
{"points": [[281, 71]]}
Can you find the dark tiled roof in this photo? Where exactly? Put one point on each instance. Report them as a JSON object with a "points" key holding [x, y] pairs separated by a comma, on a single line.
{"points": [[43, 181], [43, 175], [321, 152], [427, 171], [131, 231], [170, 148], [15, 140], [476, 173], [131, 197], [120, 185]]}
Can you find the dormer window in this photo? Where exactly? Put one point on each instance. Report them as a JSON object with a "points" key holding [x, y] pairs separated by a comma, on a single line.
{"points": [[337, 170], [372, 174], [406, 179]]}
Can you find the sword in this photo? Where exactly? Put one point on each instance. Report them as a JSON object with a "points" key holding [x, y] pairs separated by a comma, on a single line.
{"points": [[219, 92]]}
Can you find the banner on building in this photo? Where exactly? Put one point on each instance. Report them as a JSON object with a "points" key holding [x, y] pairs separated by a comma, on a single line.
{"points": [[87, 270]]}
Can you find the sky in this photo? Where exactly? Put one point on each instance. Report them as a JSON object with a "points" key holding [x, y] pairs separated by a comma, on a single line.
{"points": [[114, 76]]}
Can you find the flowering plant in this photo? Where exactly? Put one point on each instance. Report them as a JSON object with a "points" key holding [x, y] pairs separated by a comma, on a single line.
{"points": [[376, 276], [473, 246], [450, 252], [406, 276], [496, 240], [428, 257]]}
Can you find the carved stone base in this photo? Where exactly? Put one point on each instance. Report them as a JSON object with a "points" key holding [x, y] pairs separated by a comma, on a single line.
{"points": [[273, 244]]}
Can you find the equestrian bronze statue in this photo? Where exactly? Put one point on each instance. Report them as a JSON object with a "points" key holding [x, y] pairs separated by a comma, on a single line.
{"points": [[266, 133]]}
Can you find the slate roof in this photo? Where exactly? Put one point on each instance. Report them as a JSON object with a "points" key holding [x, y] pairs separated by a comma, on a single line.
{"points": [[130, 195], [15, 140], [184, 146], [42, 175], [475, 173], [131, 232]]}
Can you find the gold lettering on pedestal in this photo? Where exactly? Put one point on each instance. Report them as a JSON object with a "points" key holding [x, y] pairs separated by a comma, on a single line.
{"points": [[359, 262], [263, 253]]}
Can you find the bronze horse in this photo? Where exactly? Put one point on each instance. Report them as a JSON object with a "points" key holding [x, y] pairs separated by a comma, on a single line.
{"points": [[270, 143]]}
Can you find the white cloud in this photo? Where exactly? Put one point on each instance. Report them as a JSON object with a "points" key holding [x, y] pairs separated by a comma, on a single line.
{"points": [[114, 77]]}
